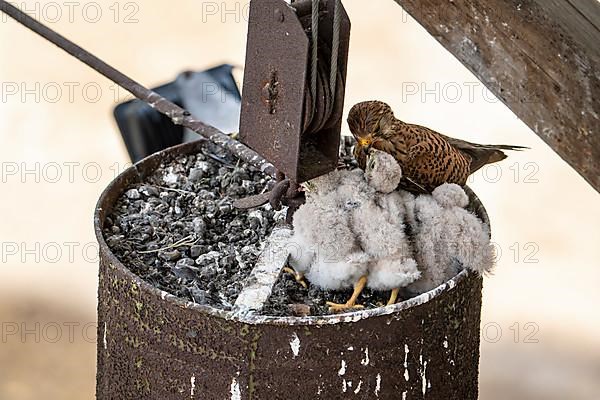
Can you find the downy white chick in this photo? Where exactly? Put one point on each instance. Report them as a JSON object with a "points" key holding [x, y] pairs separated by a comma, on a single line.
{"points": [[380, 227], [446, 237], [324, 247], [352, 224]]}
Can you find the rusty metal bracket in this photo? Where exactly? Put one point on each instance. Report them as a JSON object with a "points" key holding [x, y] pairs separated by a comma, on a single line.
{"points": [[280, 120]]}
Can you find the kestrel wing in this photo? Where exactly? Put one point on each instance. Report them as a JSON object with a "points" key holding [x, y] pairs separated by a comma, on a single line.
{"points": [[411, 186], [480, 154]]}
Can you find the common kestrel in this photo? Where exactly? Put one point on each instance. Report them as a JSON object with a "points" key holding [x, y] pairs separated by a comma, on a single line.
{"points": [[428, 158]]}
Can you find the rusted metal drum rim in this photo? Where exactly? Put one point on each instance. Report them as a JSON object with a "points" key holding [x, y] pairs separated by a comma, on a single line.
{"points": [[143, 168]]}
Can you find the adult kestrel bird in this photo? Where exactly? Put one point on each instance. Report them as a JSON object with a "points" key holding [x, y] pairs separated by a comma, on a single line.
{"points": [[428, 158]]}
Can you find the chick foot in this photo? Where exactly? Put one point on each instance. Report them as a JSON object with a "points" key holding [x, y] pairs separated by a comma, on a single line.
{"points": [[393, 296], [297, 275], [351, 303]]}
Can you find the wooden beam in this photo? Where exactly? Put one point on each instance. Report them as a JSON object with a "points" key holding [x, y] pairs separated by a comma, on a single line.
{"points": [[540, 57]]}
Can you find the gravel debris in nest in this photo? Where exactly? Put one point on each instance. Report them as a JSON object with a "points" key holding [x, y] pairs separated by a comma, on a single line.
{"points": [[289, 298], [179, 231]]}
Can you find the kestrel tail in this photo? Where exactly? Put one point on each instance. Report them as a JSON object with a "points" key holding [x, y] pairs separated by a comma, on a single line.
{"points": [[428, 158]]}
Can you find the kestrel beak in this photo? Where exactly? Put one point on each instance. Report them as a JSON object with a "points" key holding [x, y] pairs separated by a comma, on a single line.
{"points": [[366, 141]]}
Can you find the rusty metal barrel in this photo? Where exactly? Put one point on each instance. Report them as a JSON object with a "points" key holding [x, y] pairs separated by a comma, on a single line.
{"points": [[152, 345]]}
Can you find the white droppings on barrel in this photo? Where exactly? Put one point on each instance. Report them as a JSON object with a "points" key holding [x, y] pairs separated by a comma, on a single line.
{"points": [[235, 390], [358, 387], [295, 345], [104, 341], [192, 386], [406, 351], [342, 370], [423, 374], [378, 385], [365, 361]]}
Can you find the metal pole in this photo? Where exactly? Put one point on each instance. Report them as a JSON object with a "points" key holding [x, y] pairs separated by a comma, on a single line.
{"points": [[178, 115]]}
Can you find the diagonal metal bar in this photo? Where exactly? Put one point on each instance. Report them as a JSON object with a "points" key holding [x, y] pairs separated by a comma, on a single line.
{"points": [[177, 114]]}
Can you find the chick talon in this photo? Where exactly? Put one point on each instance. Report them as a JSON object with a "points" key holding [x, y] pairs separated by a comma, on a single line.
{"points": [[393, 297], [336, 307], [298, 276]]}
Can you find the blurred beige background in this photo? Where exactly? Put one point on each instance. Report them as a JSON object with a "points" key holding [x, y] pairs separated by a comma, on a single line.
{"points": [[59, 148]]}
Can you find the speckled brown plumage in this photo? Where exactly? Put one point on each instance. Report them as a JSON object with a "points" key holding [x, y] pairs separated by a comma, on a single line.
{"points": [[428, 158]]}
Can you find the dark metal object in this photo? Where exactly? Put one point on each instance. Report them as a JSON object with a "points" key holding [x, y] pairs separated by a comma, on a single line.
{"points": [[153, 345], [539, 57], [146, 131], [211, 95], [178, 115], [299, 134], [284, 192]]}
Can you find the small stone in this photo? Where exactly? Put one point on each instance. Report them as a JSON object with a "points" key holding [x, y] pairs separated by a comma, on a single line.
{"points": [[240, 175], [196, 251], [299, 310], [186, 262], [236, 223], [207, 274], [199, 226], [208, 258], [149, 191], [203, 166], [184, 273], [223, 171], [200, 296], [170, 255], [133, 194], [256, 215], [195, 175], [114, 240], [170, 178]]}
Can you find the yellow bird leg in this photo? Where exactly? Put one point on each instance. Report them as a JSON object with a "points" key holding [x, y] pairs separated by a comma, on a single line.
{"points": [[393, 296], [351, 303], [297, 275]]}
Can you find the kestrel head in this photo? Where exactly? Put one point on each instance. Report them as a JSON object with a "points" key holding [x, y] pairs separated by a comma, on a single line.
{"points": [[369, 119]]}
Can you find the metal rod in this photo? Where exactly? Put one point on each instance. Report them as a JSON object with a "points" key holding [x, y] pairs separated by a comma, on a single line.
{"points": [[178, 115]]}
